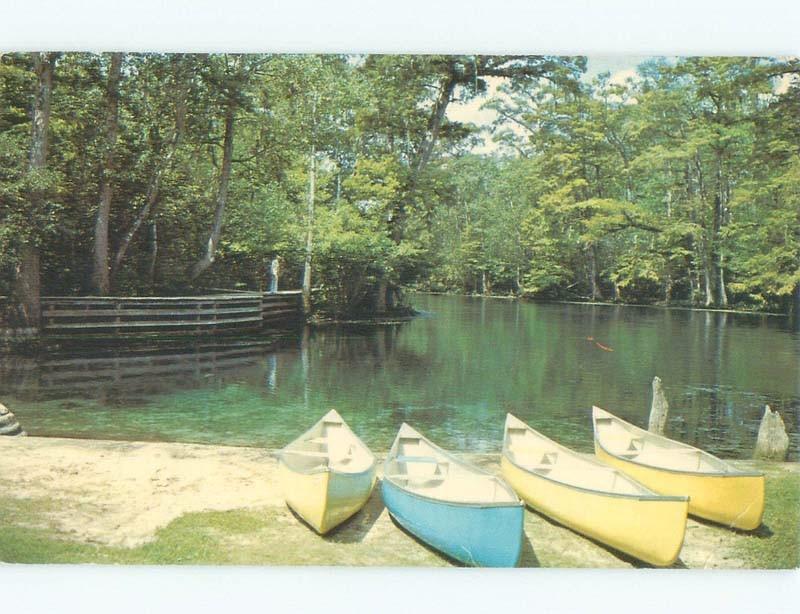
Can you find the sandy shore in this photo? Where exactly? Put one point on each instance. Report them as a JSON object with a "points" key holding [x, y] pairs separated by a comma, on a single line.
{"points": [[121, 493]]}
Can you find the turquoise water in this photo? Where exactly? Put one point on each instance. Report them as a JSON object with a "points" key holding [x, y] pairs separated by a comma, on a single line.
{"points": [[453, 373]]}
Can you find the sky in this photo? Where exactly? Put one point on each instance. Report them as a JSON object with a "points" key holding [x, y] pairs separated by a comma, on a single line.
{"points": [[620, 67]]}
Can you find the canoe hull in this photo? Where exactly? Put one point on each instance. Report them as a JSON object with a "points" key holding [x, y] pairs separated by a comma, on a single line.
{"points": [[325, 499], [480, 535], [736, 501], [649, 529]]}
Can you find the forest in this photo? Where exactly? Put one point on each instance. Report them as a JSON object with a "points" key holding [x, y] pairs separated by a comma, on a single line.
{"points": [[157, 174]]}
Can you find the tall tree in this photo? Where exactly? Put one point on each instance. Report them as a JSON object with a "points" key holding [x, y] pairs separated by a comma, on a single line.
{"points": [[209, 253], [173, 103], [230, 76], [27, 285], [101, 274]]}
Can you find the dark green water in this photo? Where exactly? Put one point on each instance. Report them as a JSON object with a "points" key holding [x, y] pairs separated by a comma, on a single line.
{"points": [[453, 373]]}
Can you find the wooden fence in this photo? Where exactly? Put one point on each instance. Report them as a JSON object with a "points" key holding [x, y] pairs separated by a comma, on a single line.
{"points": [[228, 312]]}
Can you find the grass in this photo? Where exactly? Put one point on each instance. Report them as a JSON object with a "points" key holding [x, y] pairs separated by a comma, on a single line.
{"points": [[273, 536], [776, 545]]}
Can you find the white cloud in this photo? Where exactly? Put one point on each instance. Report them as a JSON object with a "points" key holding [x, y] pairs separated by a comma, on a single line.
{"points": [[782, 84], [621, 76], [470, 112]]}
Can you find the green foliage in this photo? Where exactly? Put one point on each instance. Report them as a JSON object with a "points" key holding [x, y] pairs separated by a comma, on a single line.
{"points": [[680, 184]]}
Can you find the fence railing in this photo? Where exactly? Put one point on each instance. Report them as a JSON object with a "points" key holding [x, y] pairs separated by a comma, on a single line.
{"points": [[233, 311]]}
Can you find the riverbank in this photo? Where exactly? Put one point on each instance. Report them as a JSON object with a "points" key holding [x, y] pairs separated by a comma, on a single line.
{"points": [[669, 307], [90, 501]]}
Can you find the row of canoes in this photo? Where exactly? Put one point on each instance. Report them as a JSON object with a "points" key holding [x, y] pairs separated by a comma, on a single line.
{"points": [[633, 496]]}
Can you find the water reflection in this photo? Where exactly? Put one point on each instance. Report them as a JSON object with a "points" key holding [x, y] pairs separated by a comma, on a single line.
{"points": [[452, 374]]}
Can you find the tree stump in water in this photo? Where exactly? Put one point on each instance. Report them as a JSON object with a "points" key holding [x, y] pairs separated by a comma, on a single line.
{"points": [[772, 442], [8, 423], [659, 409]]}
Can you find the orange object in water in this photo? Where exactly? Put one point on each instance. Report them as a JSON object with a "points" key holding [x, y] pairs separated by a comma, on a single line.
{"points": [[600, 345]]}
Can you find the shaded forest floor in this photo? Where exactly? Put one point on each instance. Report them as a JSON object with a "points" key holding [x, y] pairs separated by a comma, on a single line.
{"points": [[86, 501]]}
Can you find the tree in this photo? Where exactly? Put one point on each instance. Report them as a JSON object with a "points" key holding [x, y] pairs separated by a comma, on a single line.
{"points": [[231, 75], [27, 279], [101, 276]]}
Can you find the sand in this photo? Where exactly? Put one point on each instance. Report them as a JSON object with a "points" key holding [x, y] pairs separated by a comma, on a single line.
{"points": [[121, 493]]}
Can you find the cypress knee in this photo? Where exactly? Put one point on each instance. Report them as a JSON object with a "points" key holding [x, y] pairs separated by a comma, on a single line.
{"points": [[772, 442], [659, 409]]}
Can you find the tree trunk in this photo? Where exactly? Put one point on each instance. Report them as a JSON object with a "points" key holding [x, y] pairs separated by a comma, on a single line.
{"points": [[593, 282], [27, 287], [424, 153], [100, 277], [312, 188], [716, 251], [151, 270], [797, 301], [668, 286], [150, 201], [380, 297], [722, 293], [207, 259], [153, 188], [27, 279], [709, 286], [435, 122]]}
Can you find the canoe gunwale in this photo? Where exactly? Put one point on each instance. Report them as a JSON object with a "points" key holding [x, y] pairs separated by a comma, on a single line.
{"points": [[733, 473], [392, 456], [736, 473], [604, 493], [326, 469], [649, 495], [450, 502]]}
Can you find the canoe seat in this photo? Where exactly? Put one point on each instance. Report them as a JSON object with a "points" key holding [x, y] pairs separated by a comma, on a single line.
{"points": [[549, 458], [307, 453], [417, 459], [634, 448], [433, 479]]}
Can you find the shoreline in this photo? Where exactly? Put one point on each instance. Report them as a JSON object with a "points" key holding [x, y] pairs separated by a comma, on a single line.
{"points": [[84, 500], [509, 297]]}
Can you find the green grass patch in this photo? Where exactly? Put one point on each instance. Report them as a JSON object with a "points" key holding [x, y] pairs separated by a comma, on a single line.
{"points": [[201, 538], [776, 545], [274, 536]]}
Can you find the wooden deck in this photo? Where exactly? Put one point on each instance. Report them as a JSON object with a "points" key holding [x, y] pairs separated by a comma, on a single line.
{"points": [[226, 312]]}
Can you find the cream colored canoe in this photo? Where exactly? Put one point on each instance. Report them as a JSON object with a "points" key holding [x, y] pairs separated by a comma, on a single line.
{"points": [[591, 497], [327, 473], [716, 489]]}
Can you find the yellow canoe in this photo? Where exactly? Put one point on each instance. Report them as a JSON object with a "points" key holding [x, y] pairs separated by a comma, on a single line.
{"points": [[591, 497], [716, 489], [327, 473]]}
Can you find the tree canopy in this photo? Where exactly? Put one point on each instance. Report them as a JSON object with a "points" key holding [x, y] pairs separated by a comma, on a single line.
{"points": [[172, 172]]}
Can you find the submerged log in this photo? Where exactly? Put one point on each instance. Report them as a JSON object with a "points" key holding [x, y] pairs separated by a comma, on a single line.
{"points": [[8, 423], [772, 442], [659, 409]]}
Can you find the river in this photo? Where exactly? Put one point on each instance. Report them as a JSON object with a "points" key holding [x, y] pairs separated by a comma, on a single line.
{"points": [[453, 373]]}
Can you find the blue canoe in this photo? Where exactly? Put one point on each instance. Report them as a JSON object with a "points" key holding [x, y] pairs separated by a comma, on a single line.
{"points": [[462, 511]]}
